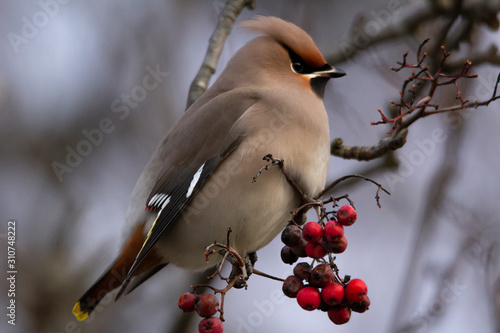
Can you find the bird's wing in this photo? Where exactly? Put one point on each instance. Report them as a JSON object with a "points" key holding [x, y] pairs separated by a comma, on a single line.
{"points": [[192, 151]]}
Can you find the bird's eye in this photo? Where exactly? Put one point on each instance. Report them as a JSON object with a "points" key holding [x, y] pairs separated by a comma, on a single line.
{"points": [[298, 67]]}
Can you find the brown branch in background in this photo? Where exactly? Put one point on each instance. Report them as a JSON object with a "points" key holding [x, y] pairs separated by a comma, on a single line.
{"points": [[408, 110], [436, 196], [451, 272], [490, 56], [492, 281], [409, 21], [216, 43]]}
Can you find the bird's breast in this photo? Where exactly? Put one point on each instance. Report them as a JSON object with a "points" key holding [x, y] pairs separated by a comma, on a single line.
{"points": [[256, 212]]}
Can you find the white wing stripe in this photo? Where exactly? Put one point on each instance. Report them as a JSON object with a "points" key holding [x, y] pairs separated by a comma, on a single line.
{"points": [[160, 199], [166, 202], [196, 177], [153, 199]]}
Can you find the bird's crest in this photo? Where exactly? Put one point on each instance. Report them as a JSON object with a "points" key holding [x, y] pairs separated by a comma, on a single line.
{"points": [[289, 35]]}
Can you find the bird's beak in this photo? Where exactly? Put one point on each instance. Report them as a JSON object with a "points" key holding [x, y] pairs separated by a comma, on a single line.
{"points": [[329, 72]]}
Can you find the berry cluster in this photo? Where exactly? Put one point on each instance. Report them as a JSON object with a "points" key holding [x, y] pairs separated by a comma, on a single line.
{"points": [[319, 287], [206, 305]]}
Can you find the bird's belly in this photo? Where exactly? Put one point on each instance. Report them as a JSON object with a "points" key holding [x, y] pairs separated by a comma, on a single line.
{"points": [[255, 213]]}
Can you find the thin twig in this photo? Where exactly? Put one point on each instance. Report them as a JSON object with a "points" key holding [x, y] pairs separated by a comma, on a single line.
{"points": [[341, 179], [257, 272], [275, 161], [216, 43], [272, 162]]}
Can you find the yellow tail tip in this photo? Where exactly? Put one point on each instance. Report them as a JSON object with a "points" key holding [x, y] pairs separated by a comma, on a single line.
{"points": [[78, 312]]}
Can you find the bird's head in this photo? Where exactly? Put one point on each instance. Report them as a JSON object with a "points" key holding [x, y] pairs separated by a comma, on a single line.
{"points": [[284, 52]]}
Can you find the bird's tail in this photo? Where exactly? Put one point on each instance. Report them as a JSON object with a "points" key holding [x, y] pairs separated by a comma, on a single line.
{"points": [[114, 276], [111, 279]]}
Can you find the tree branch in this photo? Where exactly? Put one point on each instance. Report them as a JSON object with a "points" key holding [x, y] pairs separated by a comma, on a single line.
{"points": [[408, 110], [407, 22], [216, 43], [361, 153]]}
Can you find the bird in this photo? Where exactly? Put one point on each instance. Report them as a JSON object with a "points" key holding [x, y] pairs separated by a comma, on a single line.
{"points": [[199, 181]]}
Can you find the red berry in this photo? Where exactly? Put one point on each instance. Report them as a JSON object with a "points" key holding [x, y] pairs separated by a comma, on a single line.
{"points": [[333, 293], [321, 275], [340, 315], [210, 325], [186, 302], [291, 235], [312, 232], [355, 290], [288, 256], [337, 246], [302, 270], [333, 231], [315, 250], [206, 305], [347, 215], [292, 286], [309, 298]]}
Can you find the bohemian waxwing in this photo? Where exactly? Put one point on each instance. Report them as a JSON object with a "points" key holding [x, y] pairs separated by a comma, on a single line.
{"points": [[198, 183]]}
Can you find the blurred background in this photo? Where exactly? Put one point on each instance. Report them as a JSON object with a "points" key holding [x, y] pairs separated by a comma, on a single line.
{"points": [[430, 256]]}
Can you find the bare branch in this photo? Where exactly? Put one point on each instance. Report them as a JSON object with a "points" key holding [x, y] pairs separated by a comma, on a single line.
{"points": [[408, 110], [257, 272], [216, 43], [361, 153]]}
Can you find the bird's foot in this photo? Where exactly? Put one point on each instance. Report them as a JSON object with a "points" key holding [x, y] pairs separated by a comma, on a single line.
{"points": [[242, 273]]}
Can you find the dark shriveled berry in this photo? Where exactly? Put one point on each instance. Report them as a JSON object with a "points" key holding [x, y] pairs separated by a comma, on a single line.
{"points": [[291, 235], [325, 307], [361, 306], [302, 270], [287, 255], [321, 275], [300, 250], [292, 286]]}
